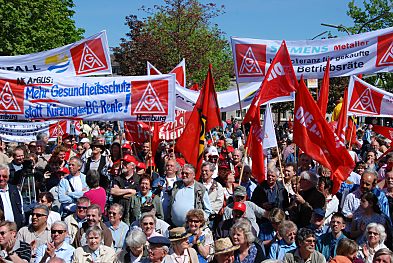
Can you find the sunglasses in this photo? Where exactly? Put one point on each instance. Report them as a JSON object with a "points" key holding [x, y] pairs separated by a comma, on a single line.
{"points": [[112, 213], [53, 231], [148, 224], [2, 233], [82, 207], [37, 215]]}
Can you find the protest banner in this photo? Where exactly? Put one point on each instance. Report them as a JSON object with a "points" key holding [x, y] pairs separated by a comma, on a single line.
{"points": [[27, 131], [365, 53], [51, 96], [366, 100], [89, 56]]}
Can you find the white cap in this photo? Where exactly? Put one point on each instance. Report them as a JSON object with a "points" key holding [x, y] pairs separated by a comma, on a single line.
{"points": [[85, 140], [212, 151]]}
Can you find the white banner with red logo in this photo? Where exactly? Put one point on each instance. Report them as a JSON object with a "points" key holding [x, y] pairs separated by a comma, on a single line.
{"points": [[27, 131], [366, 100], [51, 96], [89, 56], [366, 53]]}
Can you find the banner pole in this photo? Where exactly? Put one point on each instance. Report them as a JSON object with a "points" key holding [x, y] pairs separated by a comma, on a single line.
{"points": [[244, 163], [150, 161], [120, 138], [279, 162], [240, 106]]}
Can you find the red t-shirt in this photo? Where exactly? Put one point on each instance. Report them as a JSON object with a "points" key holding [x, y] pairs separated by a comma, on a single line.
{"points": [[97, 196]]}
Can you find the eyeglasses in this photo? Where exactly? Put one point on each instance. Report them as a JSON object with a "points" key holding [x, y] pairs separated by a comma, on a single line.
{"points": [[82, 207], [372, 233], [148, 223], [38, 215], [194, 221], [112, 213], [309, 241], [185, 173], [2, 233], [54, 231]]}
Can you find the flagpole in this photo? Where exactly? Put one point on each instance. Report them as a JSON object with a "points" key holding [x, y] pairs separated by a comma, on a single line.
{"points": [[150, 135], [244, 163], [279, 162]]}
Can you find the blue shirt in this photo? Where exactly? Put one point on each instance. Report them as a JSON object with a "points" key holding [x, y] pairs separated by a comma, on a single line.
{"points": [[184, 202], [119, 235], [65, 252], [327, 245], [279, 248]]}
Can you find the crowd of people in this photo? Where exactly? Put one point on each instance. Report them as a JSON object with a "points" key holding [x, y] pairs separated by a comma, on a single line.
{"points": [[98, 198]]}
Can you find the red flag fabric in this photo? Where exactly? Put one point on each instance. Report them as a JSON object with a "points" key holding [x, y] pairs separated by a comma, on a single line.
{"points": [[342, 119], [324, 91], [280, 81], [385, 131], [350, 134], [314, 136], [195, 87], [255, 148], [155, 141], [204, 117]]}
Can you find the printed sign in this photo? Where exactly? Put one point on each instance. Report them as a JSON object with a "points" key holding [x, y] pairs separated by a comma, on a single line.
{"points": [[366, 53], [51, 96], [89, 56]]}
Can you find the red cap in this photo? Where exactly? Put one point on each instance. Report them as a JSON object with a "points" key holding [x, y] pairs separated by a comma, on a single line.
{"points": [[230, 149], [141, 165], [126, 146], [64, 170], [209, 142], [220, 143], [129, 159], [238, 206]]}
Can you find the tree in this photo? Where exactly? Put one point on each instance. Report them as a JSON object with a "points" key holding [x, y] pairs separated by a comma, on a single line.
{"points": [[178, 29], [33, 26]]}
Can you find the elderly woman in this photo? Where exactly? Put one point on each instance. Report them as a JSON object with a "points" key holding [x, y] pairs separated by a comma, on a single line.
{"points": [[181, 250], [94, 251], [249, 250], [148, 225], [134, 253], [144, 197], [375, 236], [287, 231], [201, 238]]}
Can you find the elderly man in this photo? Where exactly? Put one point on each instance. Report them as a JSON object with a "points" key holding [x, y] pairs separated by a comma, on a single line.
{"points": [[98, 162], [94, 218], [118, 228], [37, 233], [73, 186], [86, 149], [271, 193], [247, 182], [383, 255], [224, 250], [11, 202], [214, 189], [305, 252], [58, 247], [158, 249], [125, 185], [188, 194], [13, 250], [75, 221], [18, 156]]}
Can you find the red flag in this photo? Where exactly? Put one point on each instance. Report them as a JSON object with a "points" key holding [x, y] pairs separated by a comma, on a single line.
{"points": [[155, 141], [180, 71], [195, 87], [204, 117], [255, 148], [350, 134], [385, 131], [343, 117], [280, 81], [313, 135], [324, 91]]}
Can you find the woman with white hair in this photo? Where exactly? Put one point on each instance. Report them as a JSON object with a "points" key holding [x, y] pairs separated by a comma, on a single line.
{"points": [[375, 236], [249, 250], [135, 241]]}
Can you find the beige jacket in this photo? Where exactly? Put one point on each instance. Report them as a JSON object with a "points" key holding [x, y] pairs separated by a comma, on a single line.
{"points": [[72, 225], [83, 255]]}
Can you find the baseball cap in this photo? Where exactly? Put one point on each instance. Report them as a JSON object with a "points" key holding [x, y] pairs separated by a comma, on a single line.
{"points": [[85, 140], [129, 159], [126, 146], [319, 212], [238, 206], [240, 191], [212, 151]]}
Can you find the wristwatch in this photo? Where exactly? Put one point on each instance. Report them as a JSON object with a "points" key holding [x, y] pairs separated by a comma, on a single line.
{"points": [[3, 254]]}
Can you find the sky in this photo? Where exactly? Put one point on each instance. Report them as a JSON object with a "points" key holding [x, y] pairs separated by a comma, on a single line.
{"points": [[263, 19]]}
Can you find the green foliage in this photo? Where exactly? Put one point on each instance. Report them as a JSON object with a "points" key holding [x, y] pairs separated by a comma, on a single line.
{"points": [[178, 29], [33, 26]]}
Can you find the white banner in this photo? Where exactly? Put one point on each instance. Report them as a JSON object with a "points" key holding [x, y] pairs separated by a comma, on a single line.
{"points": [[27, 131], [366, 100], [366, 53], [227, 100], [89, 56], [269, 137], [51, 96]]}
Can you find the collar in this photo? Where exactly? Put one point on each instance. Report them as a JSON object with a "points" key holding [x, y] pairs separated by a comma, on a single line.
{"points": [[149, 194], [6, 189]]}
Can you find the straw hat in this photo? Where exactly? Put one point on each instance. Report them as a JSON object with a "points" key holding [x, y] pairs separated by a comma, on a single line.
{"points": [[224, 245], [178, 233]]}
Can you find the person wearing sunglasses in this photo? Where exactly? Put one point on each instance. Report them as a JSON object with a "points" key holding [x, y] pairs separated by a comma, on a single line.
{"points": [[12, 250], [58, 247], [305, 252], [37, 233], [148, 225], [75, 221]]}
